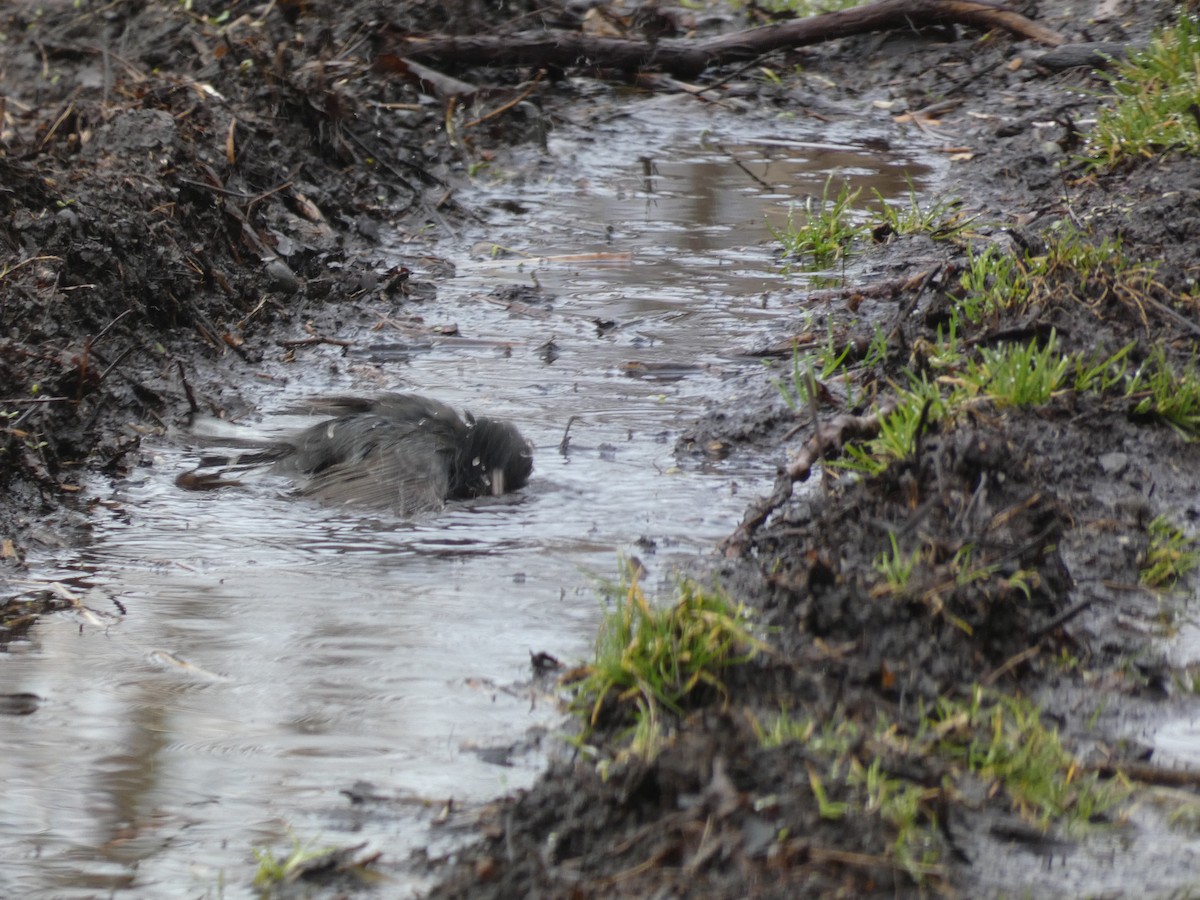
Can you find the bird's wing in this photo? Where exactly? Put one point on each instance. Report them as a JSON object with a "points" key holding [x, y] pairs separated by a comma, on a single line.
{"points": [[403, 467]]}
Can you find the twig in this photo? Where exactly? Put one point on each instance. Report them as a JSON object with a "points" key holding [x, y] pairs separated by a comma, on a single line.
{"points": [[107, 328], [213, 187], [829, 436], [908, 307], [1009, 664], [1064, 617], [1171, 314], [193, 407], [686, 58], [814, 408], [8, 270], [565, 444], [317, 339], [116, 362], [510, 104], [865, 861], [833, 434]]}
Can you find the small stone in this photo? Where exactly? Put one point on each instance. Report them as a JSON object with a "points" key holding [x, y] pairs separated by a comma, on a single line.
{"points": [[281, 276], [486, 869], [1113, 464]]}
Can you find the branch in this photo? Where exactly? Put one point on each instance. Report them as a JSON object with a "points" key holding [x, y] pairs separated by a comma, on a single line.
{"points": [[688, 58], [828, 439]]}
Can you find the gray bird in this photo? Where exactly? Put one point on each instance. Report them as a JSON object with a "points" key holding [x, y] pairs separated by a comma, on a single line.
{"points": [[402, 452]]}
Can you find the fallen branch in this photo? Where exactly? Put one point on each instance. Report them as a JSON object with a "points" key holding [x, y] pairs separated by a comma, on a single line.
{"points": [[688, 58], [827, 440], [831, 436]]}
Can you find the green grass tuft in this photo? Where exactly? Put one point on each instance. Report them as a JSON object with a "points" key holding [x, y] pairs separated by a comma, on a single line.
{"points": [[1018, 374], [1157, 94], [1169, 394], [1170, 556], [822, 232], [651, 659], [1003, 739]]}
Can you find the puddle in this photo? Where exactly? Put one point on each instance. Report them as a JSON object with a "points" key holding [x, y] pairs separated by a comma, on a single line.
{"points": [[1177, 744], [1141, 855], [246, 658]]}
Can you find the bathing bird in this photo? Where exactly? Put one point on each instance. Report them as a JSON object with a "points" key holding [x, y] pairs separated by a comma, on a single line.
{"points": [[402, 452]]}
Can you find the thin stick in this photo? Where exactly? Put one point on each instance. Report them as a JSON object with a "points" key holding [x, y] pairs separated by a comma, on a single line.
{"points": [[510, 104]]}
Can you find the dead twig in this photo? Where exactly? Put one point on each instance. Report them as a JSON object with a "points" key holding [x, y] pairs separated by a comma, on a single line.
{"points": [[1064, 617], [865, 861], [688, 58], [565, 444], [36, 400], [828, 438], [500, 110], [831, 436], [193, 407], [116, 362], [1009, 664], [314, 340]]}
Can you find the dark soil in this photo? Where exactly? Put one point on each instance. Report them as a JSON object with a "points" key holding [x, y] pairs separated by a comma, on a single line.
{"points": [[186, 190]]}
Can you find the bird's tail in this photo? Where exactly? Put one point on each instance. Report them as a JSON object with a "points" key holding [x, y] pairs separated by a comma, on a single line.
{"points": [[243, 449]]}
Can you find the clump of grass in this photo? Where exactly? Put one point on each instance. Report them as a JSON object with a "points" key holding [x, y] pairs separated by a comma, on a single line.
{"points": [[1170, 556], [998, 738], [811, 368], [864, 788], [1157, 91], [1017, 374], [834, 737], [821, 232], [649, 659], [1074, 266], [993, 282], [941, 220], [901, 803], [1075, 254], [1100, 372], [896, 567], [274, 871], [917, 407], [1173, 396], [1021, 375], [1003, 739]]}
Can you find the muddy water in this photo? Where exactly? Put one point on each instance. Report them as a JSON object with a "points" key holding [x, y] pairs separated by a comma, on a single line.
{"points": [[244, 662]]}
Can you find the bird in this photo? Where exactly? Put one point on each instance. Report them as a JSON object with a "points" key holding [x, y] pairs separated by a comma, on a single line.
{"points": [[401, 452]]}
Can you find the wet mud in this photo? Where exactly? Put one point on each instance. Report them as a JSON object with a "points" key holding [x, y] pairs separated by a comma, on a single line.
{"points": [[198, 194]]}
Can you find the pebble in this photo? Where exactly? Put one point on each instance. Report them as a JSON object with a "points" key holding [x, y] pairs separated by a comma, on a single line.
{"points": [[1113, 464], [281, 276]]}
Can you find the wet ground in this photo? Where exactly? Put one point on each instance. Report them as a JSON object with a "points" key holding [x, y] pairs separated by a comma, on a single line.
{"points": [[229, 669]]}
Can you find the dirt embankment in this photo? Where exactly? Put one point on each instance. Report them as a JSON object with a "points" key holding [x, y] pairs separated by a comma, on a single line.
{"points": [[183, 184]]}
